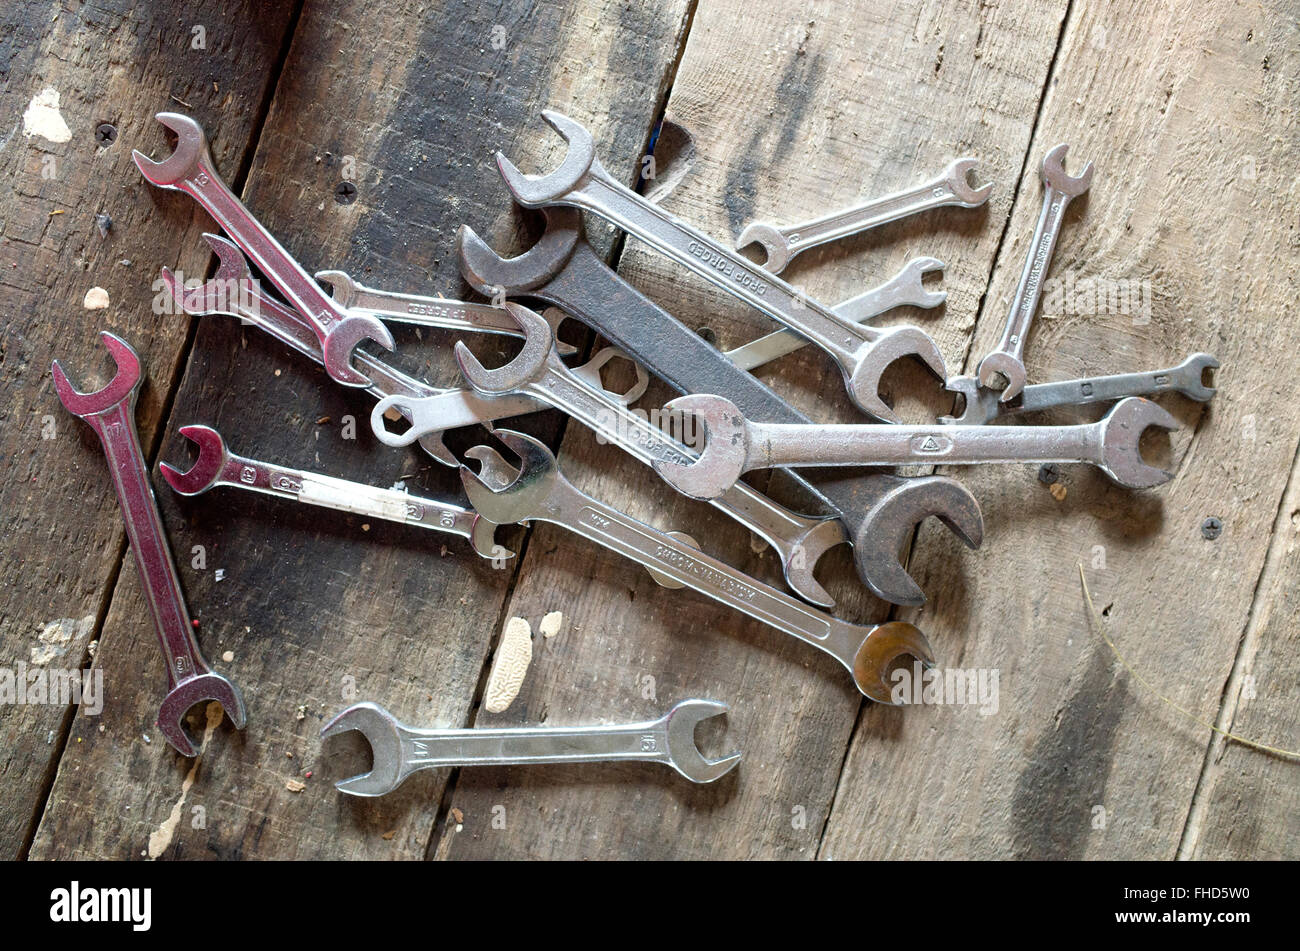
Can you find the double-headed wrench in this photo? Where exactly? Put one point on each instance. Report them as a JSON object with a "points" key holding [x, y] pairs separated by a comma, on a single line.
{"points": [[538, 370], [189, 169], [1004, 368], [398, 750], [880, 510], [983, 406], [781, 245], [541, 493], [735, 446], [217, 465], [111, 414], [862, 353], [233, 291]]}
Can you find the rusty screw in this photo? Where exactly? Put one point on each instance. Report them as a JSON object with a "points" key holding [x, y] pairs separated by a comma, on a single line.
{"points": [[345, 193], [1049, 474], [1212, 527], [105, 133]]}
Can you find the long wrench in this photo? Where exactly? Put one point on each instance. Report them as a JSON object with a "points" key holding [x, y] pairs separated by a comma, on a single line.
{"points": [[399, 750], [782, 244], [735, 446], [217, 465], [110, 412], [538, 371], [983, 406], [862, 353], [190, 169], [1004, 368], [542, 493]]}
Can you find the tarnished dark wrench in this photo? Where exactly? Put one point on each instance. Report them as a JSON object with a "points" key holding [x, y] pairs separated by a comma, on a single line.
{"points": [[111, 414], [190, 169]]}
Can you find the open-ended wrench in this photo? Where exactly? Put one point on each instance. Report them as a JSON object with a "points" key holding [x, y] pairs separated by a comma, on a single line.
{"points": [[862, 353], [399, 750], [880, 510], [983, 406], [233, 291], [538, 370], [541, 493], [735, 446], [1004, 368], [217, 465], [111, 414], [190, 169], [782, 244]]}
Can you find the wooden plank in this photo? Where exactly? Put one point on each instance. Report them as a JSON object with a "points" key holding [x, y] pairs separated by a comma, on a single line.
{"points": [[1187, 113], [415, 101], [63, 541], [794, 110]]}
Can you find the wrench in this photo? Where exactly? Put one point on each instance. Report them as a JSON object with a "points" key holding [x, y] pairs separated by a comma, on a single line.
{"points": [[542, 493], [905, 287], [216, 466], [539, 371], [111, 414], [983, 406], [862, 353], [189, 169], [233, 291], [399, 750], [735, 446], [1004, 368], [781, 245], [879, 510]]}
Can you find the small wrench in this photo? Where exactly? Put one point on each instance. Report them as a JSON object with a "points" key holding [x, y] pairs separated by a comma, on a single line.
{"points": [[190, 169], [983, 406], [781, 245], [217, 465], [538, 370], [735, 446], [1004, 368], [399, 750], [111, 414], [862, 353], [541, 493]]}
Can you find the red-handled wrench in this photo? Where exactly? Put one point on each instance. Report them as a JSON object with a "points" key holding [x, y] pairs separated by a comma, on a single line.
{"points": [[111, 414]]}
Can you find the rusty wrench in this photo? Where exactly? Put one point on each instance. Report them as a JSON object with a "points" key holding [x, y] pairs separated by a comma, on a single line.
{"points": [[190, 169], [1004, 368], [782, 244], [110, 412]]}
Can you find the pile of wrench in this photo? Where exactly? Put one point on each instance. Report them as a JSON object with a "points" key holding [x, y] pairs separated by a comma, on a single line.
{"points": [[745, 425]]}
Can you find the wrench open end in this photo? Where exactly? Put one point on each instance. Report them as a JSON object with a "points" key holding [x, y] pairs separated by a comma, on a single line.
{"points": [[538, 341], [204, 688], [1054, 173], [974, 411], [893, 344], [913, 277], [383, 733], [1122, 430], [521, 499], [344, 337], [489, 273], [880, 650], [1196, 365], [201, 476], [1003, 372], [775, 245], [532, 191], [891, 522], [722, 460], [797, 565], [191, 144], [125, 379], [685, 755], [968, 196]]}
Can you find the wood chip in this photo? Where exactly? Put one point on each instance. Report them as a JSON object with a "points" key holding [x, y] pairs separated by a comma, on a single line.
{"points": [[1057, 490], [457, 815], [510, 665], [96, 299], [550, 625], [294, 785]]}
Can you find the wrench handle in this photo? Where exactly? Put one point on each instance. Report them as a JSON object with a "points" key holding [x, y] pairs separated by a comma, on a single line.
{"points": [[426, 749], [864, 217], [1099, 389], [1030, 287]]}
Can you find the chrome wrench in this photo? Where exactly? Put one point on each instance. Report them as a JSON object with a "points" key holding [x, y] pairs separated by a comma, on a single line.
{"points": [[399, 750], [541, 493], [862, 353], [111, 414], [1004, 368], [189, 169], [782, 244]]}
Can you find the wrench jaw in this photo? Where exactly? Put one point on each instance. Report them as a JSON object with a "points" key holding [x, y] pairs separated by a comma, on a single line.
{"points": [[873, 359], [203, 475], [972, 411], [726, 448], [533, 191], [880, 650], [806, 552], [525, 497], [913, 277], [528, 365], [344, 337], [1195, 367], [191, 148], [891, 522], [120, 389], [213, 297], [683, 755], [774, 244], [1000, 370], [205, 688], [1054, 174], [488, 273], [1122, 431], [344, 290], [958, 177], [384, 734]]}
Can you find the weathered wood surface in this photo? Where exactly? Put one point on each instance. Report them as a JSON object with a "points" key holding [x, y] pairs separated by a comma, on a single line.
{"points": [[792, 109]]}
